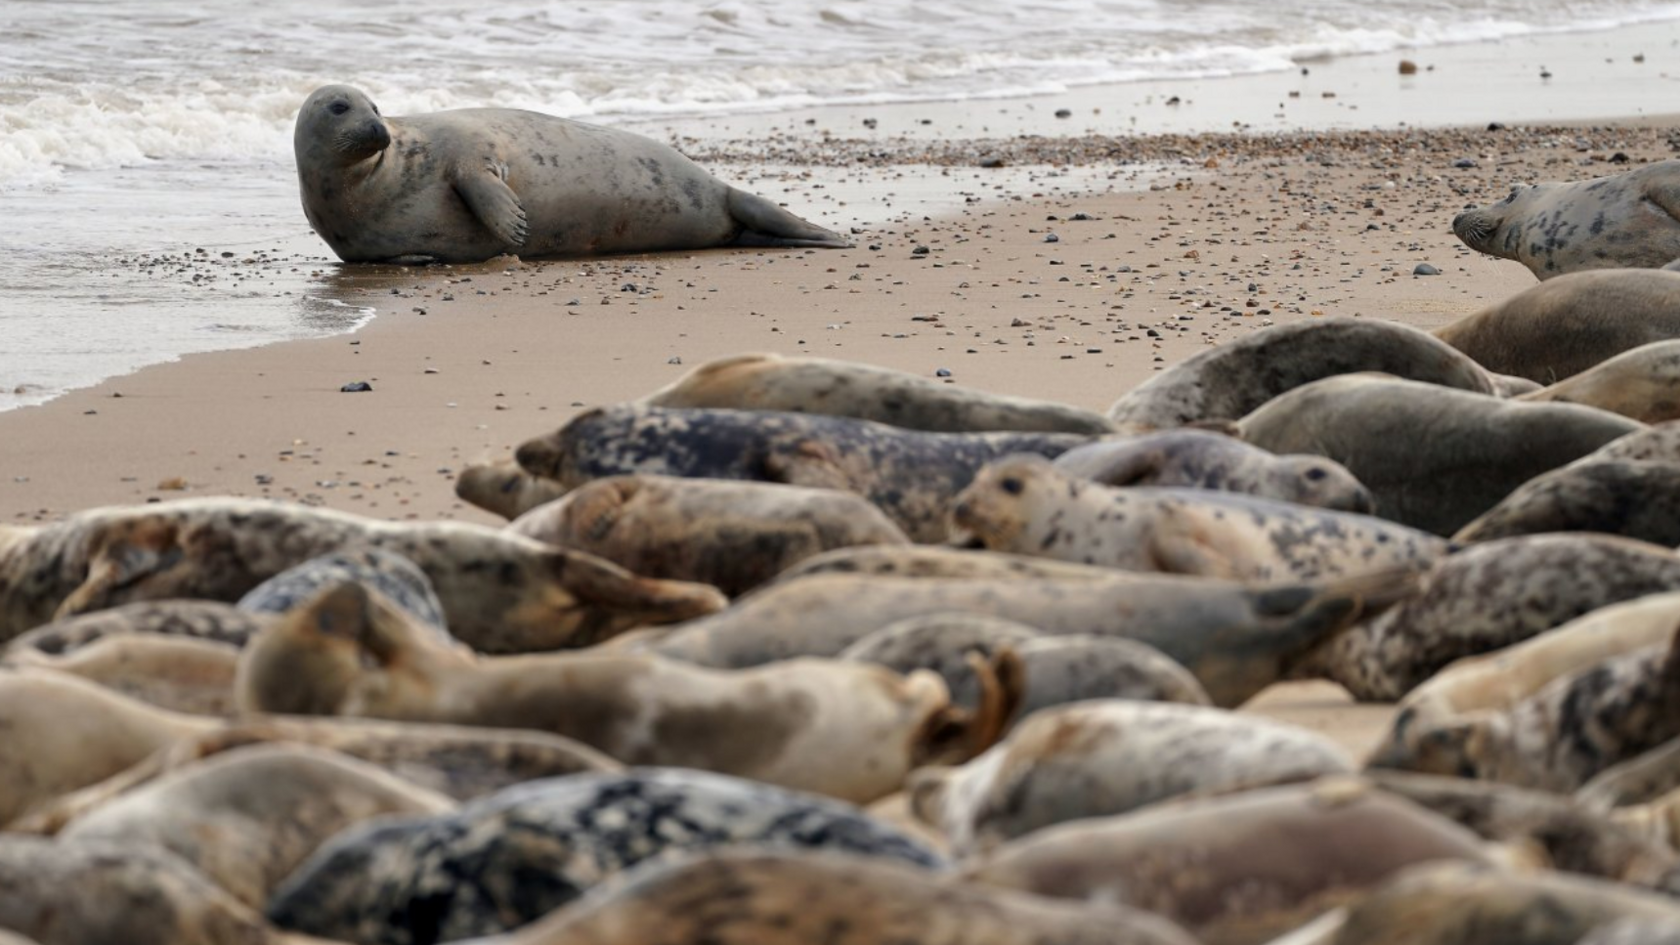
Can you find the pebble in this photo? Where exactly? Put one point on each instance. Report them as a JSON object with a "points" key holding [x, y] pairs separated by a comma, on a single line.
{"points": [[942, 372], [1425, 269], [356, 387]]}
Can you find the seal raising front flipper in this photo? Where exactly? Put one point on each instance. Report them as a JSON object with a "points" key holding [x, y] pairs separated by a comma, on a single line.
{"points": [[494, 203], [765, 224]]}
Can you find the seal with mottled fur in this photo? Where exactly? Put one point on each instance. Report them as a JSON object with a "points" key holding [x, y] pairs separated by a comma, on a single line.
{"points": [[1637, 500], [1488, 596], [910, 474], [848, 730], [1024, 505], [1231, 380], [851, 389], [396, 577], [938, 561], [1500, 679], [500, 592], [1569, 836], [248, 817], [752, 897], [1235, 638], [212, 621], [1642, 384], [1570, 324], [1434, 458], [1628, 221], [1565, 733], [1234, 870], [1201, 459], [1055, 669], [1109, 756], [513, 857], [1651, 776], [505, 489], [120, 894], [466, 185], [731, 535], [1659, 443]]}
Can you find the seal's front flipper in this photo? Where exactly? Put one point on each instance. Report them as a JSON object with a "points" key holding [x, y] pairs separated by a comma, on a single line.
{"points": [[494, 203], [765, 224]]}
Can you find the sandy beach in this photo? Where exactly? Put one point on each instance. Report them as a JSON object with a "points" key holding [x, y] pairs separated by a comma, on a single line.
{"points": [[1102, 250]]}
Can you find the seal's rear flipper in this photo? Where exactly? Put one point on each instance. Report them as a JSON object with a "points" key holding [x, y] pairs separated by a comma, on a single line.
{"points": [[765, 224]]}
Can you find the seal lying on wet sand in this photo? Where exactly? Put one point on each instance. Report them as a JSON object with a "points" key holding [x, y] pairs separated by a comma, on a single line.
{"points": [[466, 185]]}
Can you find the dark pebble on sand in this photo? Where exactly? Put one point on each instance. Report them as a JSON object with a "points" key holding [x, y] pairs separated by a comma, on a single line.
{"points": [[1620, 157], [1052, 238], [1425, 269], [1495, 126], [920, 251], [356, 387], [942, 372], [1064, 113], [1464, 162], [992, 160]]}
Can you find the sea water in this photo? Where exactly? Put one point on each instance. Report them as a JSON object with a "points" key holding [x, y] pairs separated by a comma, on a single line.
{"points": [[148, 203]]}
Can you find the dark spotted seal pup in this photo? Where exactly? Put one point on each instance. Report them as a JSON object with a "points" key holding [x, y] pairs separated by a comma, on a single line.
{"points": [[515, 856], [911, 475], [466, 185]]}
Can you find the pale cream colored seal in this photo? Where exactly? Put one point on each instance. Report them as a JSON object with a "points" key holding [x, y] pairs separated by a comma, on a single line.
{"points": [[179, 673], [847, 730], [1642, 384], [503, 488]]}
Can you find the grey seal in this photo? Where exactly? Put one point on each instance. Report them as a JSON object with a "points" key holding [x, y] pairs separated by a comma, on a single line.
{"points": [[1202, 459], [515, 856], [399, 579], [1433, 457], [466, 185], [1638, 500], [1628, 221], [910, 474], [1228, 381], [1641, 384], [1567, 325]]}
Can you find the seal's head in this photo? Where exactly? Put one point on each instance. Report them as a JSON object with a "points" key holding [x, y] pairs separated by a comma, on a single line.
{"points": [[994, 510], [1321, 482], [1497, 229], [339, 124]]}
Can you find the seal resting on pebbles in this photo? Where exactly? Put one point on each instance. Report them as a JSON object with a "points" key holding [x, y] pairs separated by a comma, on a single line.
{"points": [[466, 185]]}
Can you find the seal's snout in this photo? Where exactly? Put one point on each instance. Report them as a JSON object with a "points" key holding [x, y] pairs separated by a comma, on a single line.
{"points": [[377, 136], [1474, 228]]}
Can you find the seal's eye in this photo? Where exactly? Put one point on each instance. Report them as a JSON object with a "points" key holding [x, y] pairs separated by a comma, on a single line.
{"points": [[374, 107], [339, 108], [1011, 485], [1316, 473]]}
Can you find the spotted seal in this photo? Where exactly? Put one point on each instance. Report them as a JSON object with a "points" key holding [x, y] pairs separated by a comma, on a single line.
{"points": [[1659, 443], [849, 389], [731, 535], [1236, 639], [1024, 505], [1235, 378], [1434, 458], [1641, 384], [1565, 733], [212, 621], [1109, 756], [1234, 870], [848, 730], [1055, 670], [938, 561], [910, 474], [513, 857], [1638, 500], [499, 592], [184, 674], [248, 817], [504, 489], [1201, 459], [1570, 324], [396, 577], [1488, 596], [752, 897], [1628, 221], [120, 894], [466, 185]]}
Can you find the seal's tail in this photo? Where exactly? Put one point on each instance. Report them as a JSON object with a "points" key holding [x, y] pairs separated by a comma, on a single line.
{"points": [[765, 224]]}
